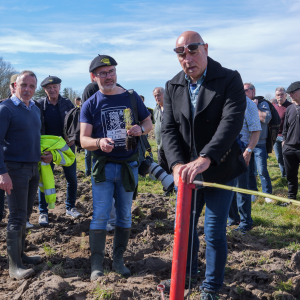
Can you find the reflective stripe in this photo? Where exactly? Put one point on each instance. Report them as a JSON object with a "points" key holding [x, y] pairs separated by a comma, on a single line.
{"points": [[44, 164], [41, 184], [63, 161], [64, 148], [49, 192]]}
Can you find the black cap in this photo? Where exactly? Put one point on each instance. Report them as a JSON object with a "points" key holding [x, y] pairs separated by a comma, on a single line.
{"points": [[102, 61], [293, 87], [50, 80]]}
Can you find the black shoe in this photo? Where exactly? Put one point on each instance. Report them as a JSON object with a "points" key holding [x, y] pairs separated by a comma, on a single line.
{"points": [[208, 295], [97, 240], [34, 260], [284, 204], [121, 238]]}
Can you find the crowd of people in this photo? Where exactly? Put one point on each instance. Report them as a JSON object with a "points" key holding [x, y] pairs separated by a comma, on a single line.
{"points": [[209, 126]]}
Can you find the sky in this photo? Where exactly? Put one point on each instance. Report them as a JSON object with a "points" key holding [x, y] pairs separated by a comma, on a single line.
{"points": [[258, 38]]}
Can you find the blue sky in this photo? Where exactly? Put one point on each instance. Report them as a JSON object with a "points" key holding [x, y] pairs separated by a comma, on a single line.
{"points": [[260, 39]]}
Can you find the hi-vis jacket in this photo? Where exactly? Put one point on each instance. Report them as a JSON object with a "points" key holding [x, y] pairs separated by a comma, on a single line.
{"points": [[62, 155]]}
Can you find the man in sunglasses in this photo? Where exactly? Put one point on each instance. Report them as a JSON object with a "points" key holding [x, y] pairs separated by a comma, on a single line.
{"points": [[115, 170], [204, 109]]}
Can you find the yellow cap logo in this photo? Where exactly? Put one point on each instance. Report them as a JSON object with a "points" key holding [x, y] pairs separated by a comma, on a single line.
{"points": [[106, 61], [50, 80]]}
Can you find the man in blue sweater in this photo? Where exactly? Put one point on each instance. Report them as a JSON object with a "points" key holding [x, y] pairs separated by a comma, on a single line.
{"points": [[19, 177]]}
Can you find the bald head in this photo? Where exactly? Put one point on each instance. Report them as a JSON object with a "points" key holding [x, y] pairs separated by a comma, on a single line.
{"points": [[193, 60], [193, 35]]}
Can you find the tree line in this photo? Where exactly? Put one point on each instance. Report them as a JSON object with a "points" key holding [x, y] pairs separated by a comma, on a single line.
{"points": [[7, 70]]}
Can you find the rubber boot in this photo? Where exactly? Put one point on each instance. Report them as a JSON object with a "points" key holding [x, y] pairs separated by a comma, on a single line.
{"points": [[16, 268], [28, 259], [120, 244], [97, 247]]}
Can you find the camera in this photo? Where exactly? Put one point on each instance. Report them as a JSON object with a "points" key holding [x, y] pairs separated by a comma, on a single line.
{"points": [[148, 166]]}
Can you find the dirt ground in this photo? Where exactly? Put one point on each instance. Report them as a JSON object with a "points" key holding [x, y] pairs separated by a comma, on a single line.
{"points": [[254, 269]]}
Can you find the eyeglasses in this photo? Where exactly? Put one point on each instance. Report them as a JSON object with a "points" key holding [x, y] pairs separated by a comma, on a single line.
{"points": [[191, 47], [246, 90], [112, 72]]}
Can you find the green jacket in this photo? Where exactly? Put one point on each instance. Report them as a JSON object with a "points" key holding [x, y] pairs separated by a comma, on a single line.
{"points": [[157, 117], [62, 155]]}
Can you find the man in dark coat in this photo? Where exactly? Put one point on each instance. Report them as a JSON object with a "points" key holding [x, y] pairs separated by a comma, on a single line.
{"points": [[204, 109]]}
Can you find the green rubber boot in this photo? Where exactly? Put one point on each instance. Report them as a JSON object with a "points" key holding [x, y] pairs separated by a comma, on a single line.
{"points": [[14, 245], [28, 259], [97, 247], [120, 244]]}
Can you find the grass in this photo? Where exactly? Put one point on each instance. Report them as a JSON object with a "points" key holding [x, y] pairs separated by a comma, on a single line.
{"points": [[48, 250], [285, 286], [101, 293]]}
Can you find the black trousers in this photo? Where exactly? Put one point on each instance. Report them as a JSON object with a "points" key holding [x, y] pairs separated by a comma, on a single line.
{"points": [[162, 161], [25, 180], [291, 158], [1, 204]]}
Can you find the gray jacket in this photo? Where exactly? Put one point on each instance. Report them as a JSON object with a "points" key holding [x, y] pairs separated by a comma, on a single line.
{"points": [[158, 117], [264, 106]]}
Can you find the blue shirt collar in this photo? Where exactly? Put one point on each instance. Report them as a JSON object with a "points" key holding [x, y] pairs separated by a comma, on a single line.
{"points": [[199, 81], [16, 101]]}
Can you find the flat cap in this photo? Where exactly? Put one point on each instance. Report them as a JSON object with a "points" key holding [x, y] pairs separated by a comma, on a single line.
{"points": [[293, 87], [50, 80], [102, 61], [13, 78]]}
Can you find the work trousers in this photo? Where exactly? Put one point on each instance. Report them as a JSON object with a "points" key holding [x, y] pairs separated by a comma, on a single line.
{"points": [[291, 163], [25, 180]]}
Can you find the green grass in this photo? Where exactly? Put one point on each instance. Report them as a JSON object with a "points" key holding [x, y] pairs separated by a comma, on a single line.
{"points": [[279, 225]]}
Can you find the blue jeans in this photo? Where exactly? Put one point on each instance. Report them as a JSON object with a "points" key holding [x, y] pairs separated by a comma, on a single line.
{"points": [[259, 156], [88, 162], [278, 152], [216, 212], [240, 209], [2, 193], [71, 177], [105, 191]]}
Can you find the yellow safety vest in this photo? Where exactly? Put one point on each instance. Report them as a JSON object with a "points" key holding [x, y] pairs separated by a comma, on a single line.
{"points": [[62, 155]]}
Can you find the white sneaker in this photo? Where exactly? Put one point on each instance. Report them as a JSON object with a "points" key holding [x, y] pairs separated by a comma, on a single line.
{"points": [[73, 213], [43, 220], [269, 200], [109, 227], [253, 198], [28, 225]]}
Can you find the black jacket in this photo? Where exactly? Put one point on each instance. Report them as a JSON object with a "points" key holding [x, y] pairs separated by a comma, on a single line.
{"points": [[218, 120], [64, 104]]}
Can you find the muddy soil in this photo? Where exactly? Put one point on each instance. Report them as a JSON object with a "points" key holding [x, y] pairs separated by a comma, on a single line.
{"points": [[254, 269]]}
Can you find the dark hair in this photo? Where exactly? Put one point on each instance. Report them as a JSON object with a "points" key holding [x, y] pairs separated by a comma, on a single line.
{"points": [[143, 98], [77, 98]]}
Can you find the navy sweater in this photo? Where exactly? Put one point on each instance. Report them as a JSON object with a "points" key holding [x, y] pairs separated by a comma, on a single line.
{"points": [[19, 134]]}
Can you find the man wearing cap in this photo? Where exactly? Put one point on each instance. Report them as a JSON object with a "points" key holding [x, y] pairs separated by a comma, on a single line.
{"points": [[55, 107], [115, 171], [20, 153], [291, 140], [204, 108]]}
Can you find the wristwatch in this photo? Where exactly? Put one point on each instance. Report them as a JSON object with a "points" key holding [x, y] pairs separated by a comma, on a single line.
{"points": [[143, 129], [249, 150]]}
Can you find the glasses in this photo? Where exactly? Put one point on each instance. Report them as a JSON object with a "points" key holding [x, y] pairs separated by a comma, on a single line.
{"points": [[104, 74], [191, 47], [246, 90]]}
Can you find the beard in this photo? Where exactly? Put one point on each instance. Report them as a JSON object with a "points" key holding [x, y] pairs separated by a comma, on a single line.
{"points": [[107, 86]]}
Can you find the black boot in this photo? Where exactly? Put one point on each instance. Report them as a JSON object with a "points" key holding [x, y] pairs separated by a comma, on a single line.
{"points": [[120, 244], [28, 259], [97, 247], [16, 268]]}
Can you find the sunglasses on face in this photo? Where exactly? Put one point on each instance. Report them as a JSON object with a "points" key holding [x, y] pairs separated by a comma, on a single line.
{"points": [[191, 47], [250, 89]]}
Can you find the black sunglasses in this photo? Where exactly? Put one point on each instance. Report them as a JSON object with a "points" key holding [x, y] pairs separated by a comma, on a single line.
{"points": [[191, 47], [246, 90]]}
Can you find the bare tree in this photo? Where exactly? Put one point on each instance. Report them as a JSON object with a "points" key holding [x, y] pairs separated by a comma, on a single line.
{"points": [[6, 71], [71, 94], [269, 97]]}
